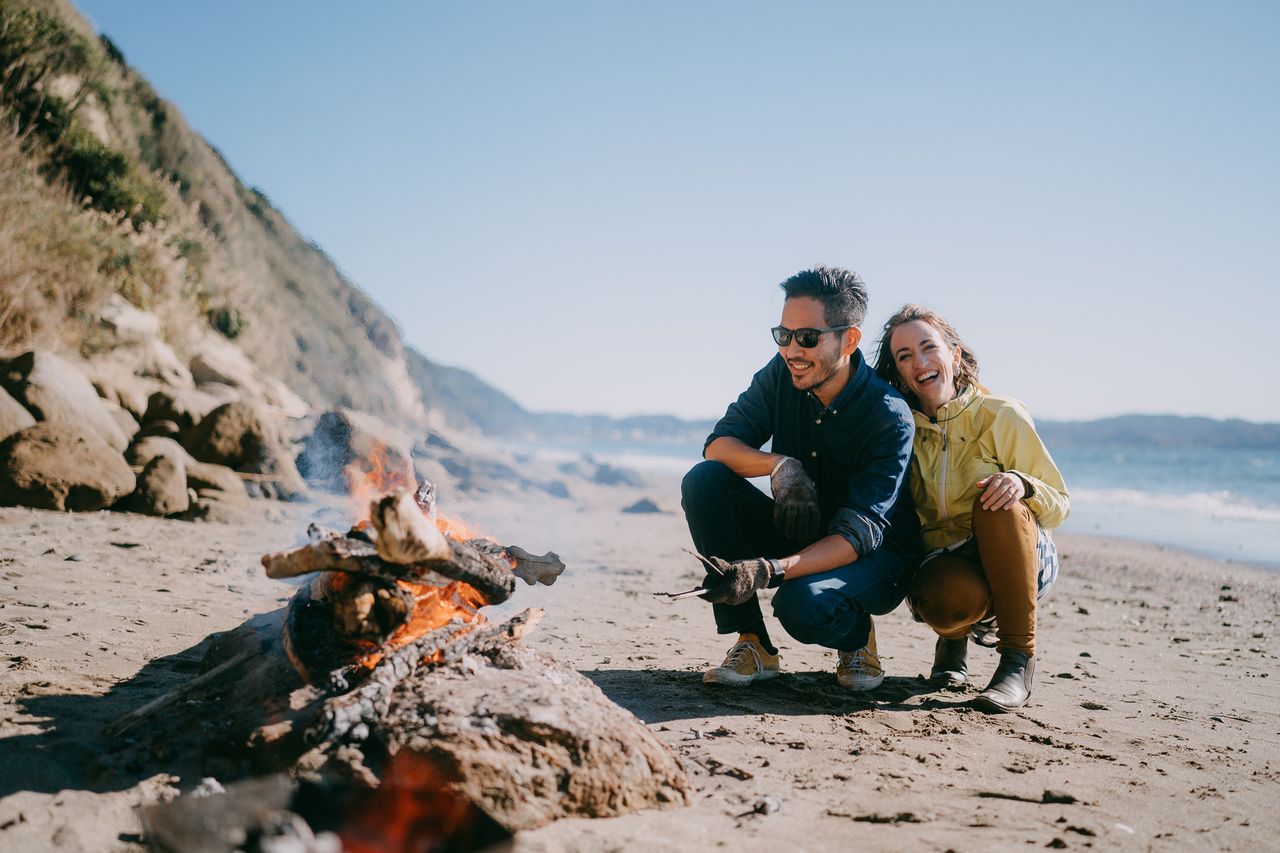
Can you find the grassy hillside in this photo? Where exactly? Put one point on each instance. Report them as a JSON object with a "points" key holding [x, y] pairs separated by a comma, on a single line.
{"points": [[104, 188]]}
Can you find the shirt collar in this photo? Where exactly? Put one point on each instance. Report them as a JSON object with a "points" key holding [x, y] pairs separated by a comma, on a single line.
{"points": [[859, 373]]}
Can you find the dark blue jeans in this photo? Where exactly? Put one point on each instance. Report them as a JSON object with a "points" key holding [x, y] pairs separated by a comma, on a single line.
{"points": [[732, 519]]}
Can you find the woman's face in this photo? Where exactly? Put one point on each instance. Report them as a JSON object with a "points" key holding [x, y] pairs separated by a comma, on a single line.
{"points": [[926, 363]]}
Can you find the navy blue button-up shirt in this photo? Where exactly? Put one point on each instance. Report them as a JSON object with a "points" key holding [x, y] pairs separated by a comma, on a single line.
{"points": [[856, 450]]}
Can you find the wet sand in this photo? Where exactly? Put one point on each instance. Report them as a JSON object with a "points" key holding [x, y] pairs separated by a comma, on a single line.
{"points": [[1154, 723]]}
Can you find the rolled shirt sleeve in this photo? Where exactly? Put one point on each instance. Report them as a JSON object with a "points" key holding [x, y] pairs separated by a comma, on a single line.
{"points": [[863, 517]]}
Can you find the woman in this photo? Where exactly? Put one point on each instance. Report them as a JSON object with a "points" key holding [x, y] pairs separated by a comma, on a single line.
{"points": [[986, 491]]}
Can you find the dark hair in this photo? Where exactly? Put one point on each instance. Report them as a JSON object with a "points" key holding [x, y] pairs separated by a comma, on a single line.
{"points": [[841, 292], [887, 367]]}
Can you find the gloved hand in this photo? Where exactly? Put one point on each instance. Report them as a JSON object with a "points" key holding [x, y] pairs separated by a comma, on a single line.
{"points": [[795, 501], [738, 579]]}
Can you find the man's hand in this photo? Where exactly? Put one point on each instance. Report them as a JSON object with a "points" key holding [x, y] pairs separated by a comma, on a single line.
{"points": [[737, 580], [795, 501]]}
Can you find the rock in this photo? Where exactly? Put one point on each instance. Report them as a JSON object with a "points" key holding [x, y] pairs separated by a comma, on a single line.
{"points": [[206, 476], [217, 506], [222, 392], [129, 324], [342, 437], [144, 449], [243, 437], [13, 415], [163, 429], [608, 475], [123, 419], [116, 383], [555, 488], [54, 390], [643, 506], [157, 360], [184, 406], [219, 360], [283, 398], [162, 487], [57, 466]]}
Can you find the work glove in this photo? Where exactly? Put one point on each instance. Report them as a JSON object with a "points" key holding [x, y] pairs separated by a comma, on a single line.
{"points": [[735, 581], [795, 501]]}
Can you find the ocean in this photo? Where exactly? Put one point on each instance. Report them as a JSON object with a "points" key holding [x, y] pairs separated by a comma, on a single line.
{"points": [[1220, 503]]}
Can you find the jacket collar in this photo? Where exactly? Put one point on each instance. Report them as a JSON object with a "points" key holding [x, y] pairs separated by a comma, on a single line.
{"points": [[956, 406], [949, 410]]}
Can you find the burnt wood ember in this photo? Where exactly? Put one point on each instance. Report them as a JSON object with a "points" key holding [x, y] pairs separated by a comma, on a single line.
{"points": [[532, 568], [414, 809], [407, 533], [471, 562]]}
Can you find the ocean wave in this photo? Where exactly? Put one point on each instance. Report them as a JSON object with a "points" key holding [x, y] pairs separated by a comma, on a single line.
{"points": [[1220, 505]]}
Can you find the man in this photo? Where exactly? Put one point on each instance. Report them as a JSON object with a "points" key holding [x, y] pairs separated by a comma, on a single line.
{"points": [[835, 539]]}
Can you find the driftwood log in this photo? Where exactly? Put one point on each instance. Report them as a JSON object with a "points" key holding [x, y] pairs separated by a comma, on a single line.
{"points": [[377, 664], [524, 738]]}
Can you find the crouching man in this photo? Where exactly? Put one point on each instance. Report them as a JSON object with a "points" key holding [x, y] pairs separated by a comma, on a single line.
{"points": [[839, 535]]}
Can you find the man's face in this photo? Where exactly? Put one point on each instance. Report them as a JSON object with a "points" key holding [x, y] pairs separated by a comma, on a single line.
{"points": [[814, 367]]}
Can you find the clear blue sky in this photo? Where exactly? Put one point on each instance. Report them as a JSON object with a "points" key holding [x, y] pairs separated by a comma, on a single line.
{"points": [[590, 205]]}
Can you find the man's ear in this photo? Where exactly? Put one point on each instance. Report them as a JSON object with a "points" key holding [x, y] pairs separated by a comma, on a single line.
{"points": [[852, 337]]}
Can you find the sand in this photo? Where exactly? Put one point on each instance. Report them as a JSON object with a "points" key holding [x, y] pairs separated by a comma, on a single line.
{"points": [[1154, 722]]}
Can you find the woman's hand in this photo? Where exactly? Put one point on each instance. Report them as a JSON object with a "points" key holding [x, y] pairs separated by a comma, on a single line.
{"points": [[1001, 491]]}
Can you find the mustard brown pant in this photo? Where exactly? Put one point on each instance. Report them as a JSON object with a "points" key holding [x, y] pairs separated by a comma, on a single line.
{"points": [[994, 573]]}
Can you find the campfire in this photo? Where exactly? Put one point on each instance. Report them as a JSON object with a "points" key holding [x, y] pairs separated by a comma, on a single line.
{"points": [[383, 669]]}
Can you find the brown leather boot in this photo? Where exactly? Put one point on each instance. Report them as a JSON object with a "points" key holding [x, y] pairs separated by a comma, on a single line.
{"points": [[1010, 687], [949, 666]]}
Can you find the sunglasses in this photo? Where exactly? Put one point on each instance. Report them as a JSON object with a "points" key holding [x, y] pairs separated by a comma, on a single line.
{"points": [[807, 338]]}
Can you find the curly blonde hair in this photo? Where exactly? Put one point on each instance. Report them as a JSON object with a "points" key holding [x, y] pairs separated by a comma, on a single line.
{"points": [[887, 368]]}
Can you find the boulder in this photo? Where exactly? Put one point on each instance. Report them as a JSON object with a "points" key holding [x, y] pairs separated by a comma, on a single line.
{"points": [[115, 382], [58, 466], [206, 477], [156, 360], [611, 475], [343, 437], [166, 429], [242, 436], [184, 406], [219, 360], [123, 419], [146, 448], [128, 323], [643, 506], [13, 415], [215, 505], [283, 398], [54, 390], [162, 487]]}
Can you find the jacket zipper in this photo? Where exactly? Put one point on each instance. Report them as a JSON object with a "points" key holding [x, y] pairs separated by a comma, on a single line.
{"points": [[942, 477]]}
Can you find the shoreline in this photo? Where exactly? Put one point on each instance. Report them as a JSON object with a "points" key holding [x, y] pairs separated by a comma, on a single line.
{"points": [[1153, 707]]}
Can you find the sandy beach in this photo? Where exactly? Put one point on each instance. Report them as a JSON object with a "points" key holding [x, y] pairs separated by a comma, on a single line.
{"points": [[1153, 724]]}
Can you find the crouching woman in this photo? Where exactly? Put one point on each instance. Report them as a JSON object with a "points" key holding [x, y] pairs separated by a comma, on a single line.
{"points": [[987, 492]]}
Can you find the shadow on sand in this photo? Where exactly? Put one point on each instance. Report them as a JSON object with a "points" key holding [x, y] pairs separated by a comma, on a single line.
{"points": [[74, 751], [666, 695]]}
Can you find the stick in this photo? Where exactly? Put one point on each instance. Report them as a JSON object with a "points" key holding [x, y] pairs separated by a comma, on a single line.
{"points": [[137, 715]]}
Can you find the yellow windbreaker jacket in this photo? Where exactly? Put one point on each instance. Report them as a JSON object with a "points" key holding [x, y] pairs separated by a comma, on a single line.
{"points": [[974, 436]]}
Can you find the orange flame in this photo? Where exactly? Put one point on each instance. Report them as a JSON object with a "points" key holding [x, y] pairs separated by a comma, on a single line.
{"points": [[369, 478], [417, 807]]}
